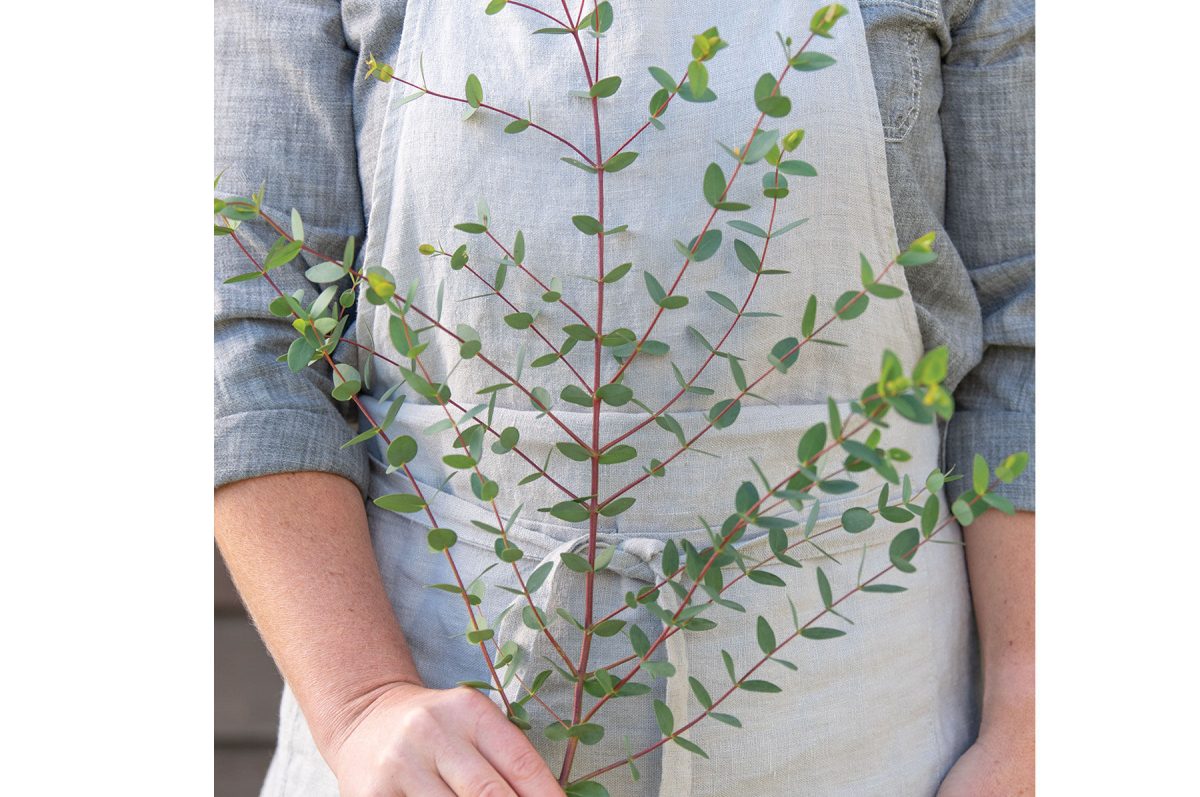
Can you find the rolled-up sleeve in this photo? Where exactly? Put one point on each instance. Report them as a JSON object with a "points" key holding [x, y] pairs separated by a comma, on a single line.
{"points": [[283, 116], [987, 119]]}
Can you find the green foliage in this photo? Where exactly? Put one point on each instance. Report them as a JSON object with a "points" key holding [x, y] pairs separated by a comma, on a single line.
{"points": [[605, 87], [847, 455], [825, 18], [768, 99]]}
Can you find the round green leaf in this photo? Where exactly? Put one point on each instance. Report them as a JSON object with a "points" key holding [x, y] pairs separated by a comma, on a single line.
{"points": [[441, 539], [587, 225], [851, 305], [401, 451], [903, 548], [724, 413], [474, 91], [618, 453], [605, 87], [615, 395], [857, 519], [816, 632], [346, 382]]}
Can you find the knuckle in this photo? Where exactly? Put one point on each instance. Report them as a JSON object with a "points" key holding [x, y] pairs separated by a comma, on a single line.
{"points": [[526, 765], [466, 697], [419, 721], [369, 786], [492, 788]]}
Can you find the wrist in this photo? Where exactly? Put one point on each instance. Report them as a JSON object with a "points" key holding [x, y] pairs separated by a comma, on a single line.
{"points": [[339, 713], [1008, 701]]}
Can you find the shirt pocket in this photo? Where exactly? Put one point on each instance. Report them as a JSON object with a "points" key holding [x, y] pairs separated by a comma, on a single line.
{"points": [[898, 32]]}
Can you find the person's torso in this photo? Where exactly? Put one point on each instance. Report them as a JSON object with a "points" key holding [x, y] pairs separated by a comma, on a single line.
{"points": [[433, 169]]}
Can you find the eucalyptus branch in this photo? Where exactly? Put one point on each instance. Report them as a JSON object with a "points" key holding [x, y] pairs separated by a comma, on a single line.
{"points": [[416, 487], [488, 428], [504, 374], [654, 115], [593, 519], [438, 325], [484, 482], [718, 549], [725, 560], [765, 561], [372, 352], [534, 277], [842, 309], [683, 269], [800, 632], [734, 402], [720, 344], [532, 326], [500, 111]]}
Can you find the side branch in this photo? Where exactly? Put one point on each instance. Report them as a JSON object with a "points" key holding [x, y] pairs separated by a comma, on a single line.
{"points": [[502, 112], [740, 681], [762, 258], [749, 388], [515, 449], [441, 327], [729, 184], [416, 487]]}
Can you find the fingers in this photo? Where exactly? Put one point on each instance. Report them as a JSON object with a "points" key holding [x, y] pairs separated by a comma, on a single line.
{"points": [[514, 758], [422, 783], [469, 774]]}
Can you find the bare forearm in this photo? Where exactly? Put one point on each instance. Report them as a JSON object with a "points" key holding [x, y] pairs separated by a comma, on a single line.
{"points": [[299, 551], [1000, 561]]}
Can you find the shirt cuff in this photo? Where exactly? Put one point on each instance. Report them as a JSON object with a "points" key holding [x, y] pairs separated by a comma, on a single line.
{"points": [[994, 434], [264, 442]]}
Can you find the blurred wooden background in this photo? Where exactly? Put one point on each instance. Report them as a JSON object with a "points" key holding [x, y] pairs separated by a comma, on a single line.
{"points": [[247, 688]]}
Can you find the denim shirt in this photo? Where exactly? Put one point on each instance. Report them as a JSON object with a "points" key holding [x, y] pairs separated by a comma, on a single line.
{"points": [[955, 85]]}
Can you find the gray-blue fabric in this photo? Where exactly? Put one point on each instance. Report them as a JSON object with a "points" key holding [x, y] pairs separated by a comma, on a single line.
{"points": [[955, 83]]}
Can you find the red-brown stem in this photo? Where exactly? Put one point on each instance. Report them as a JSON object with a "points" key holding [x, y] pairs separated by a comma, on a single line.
{"points": [[717, 549], [657, 113], [533, 327], [533, 694], [683, 269], [553, 19], [587, 70], [712, 354], [442, 328], [767, 560], [594, 516], [461, 408], [495, 509], [416, 487], [500, 111], [737, 685], [533, 277], [748, 389]]}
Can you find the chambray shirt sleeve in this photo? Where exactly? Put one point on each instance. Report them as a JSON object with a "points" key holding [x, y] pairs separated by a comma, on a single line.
{"points": [[284, 115], [987, 119]]}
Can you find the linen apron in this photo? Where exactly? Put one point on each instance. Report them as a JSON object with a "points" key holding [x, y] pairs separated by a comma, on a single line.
{"points": [[884, 710]]}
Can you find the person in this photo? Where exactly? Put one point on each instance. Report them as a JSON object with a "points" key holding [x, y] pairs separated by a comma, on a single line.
{"points": [[925, 123]]}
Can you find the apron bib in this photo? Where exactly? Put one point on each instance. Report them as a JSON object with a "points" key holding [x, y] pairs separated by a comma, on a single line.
{"points": [[883, 710]]}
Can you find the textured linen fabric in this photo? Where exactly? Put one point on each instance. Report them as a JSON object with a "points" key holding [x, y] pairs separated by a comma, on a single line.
{"points": [[903, 684], [954, 84]]}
